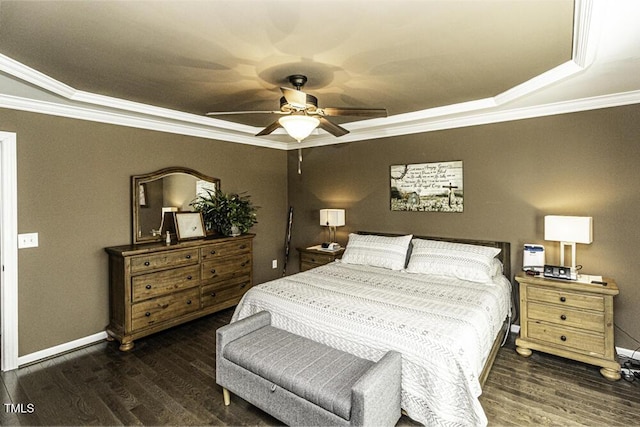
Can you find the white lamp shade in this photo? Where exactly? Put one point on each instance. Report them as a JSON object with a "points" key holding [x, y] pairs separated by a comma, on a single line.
{"points": [[299, 127], [575, 229], [332, 217]]}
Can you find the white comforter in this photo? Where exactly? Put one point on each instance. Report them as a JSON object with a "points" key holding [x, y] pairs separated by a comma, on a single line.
{"points": [[443, 327]]}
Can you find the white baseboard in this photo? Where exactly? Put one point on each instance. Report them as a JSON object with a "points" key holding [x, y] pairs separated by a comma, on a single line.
{"points": [[59, 349], [621, 351]]}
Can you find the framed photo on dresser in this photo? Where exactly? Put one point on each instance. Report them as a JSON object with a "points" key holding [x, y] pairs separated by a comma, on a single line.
{"points": [[189, 225]]}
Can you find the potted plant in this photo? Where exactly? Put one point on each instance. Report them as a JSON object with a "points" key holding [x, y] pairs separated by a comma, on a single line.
{"points": [[228, 214]]}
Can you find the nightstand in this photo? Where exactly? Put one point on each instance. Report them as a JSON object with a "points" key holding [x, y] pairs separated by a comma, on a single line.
{"points": [[312, 258], [569, 319]]}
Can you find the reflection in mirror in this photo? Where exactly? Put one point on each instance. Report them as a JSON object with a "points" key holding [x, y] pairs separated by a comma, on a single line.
{"points": [[163, 191]]}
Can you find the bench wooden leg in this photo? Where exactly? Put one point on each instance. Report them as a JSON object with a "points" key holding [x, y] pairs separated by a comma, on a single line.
{"points": [[226, 396]]}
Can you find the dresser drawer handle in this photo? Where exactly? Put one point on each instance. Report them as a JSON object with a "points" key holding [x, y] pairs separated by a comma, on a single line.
{"points": [[213, 294], [244, 263], [563, 338], [189, 277], [243, 246], [563, 317], [188, 257], [188, 302], [213, 271], [213, 252], [313, 260], [563, 299], [147, 314], [243, 286], [148, 286], [147, 263]]}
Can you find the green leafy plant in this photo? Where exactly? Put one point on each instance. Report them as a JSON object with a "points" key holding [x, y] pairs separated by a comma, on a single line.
{"points": [[221, 211]]}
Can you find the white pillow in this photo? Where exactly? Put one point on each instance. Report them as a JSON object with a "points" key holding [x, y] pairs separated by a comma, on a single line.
{"points": [[377, 251], [463, 261]]}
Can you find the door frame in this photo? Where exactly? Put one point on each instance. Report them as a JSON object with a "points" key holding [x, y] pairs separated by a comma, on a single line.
{"points": [[9, 251]]}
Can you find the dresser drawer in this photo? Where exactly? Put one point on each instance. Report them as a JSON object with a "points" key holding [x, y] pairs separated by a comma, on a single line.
{"points": [[155, 284], [565, 316], [164, 260], [226, 268], [150, 312], [232, 290], [222, 250], [566, 298], [591, 344]]}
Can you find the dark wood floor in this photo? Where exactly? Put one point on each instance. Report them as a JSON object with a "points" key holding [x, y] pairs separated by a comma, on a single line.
{"points": [[169, 379]]}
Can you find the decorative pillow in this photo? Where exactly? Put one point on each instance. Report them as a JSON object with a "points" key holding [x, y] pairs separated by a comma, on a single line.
{"points": [[377, 251], [463, 261]]}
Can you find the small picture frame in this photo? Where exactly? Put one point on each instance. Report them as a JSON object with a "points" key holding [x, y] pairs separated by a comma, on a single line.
{"points": [[189, 225]]}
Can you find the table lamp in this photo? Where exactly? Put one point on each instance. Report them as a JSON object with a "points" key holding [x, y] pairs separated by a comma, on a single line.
{"points": [[332, 218], [568, 230]]}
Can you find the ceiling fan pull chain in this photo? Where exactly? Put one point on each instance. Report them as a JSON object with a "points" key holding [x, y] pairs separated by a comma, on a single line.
{"points": [[299, 161]]}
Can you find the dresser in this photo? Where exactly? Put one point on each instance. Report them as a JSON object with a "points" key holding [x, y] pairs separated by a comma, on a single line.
{"points": [[569, 319], [312, 258], [155, 286]]}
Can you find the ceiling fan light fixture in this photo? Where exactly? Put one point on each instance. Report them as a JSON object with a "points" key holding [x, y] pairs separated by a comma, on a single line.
{"points": [[299, 126]]}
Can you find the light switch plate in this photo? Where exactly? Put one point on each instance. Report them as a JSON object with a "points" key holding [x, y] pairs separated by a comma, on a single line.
{"points": [[27, 240]]}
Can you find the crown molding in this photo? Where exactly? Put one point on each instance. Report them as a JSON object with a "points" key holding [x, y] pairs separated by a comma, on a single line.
{"points": [[99, 108]]}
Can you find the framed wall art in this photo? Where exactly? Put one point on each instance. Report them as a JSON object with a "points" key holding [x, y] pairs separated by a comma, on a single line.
{"points": [[427, 187], [189, 225]]}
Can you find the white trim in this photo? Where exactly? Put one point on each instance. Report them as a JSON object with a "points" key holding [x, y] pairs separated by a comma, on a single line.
{"points": [[60, 349], [631, 354], [9, 250], [588, 18]]}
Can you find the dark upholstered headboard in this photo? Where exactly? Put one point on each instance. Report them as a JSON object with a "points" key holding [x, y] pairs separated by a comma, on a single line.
{"points": [[505, 247]]}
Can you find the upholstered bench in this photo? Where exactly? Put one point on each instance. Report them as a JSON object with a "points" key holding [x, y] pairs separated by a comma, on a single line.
{"points": [[303, 382]]}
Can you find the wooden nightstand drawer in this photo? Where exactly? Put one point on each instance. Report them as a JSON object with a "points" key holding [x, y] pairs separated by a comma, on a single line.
{"points": [[564, 316], [155, 284], [591, 344], [571, 318], [313, 257], [568, 298], [316, 258]]}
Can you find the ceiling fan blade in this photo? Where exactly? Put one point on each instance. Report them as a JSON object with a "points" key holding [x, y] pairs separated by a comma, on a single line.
{"points": [[357, 112], [332, 128], [295, 98], [227, 113], [269, 129]]}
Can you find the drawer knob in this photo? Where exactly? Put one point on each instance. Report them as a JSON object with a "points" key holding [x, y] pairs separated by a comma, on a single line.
{"points": [[189, 277], [563, 317], [243, 285], [313, 260], [243, 246], [213, 271], [213, 294], [148, 286], [213, 252], [147, 314], [563, 338], [563, 299], [188, 257], [188, 301], [147, 263]]}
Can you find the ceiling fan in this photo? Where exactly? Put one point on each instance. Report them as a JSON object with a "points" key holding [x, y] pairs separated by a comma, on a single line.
{"points": [[301, 114]]}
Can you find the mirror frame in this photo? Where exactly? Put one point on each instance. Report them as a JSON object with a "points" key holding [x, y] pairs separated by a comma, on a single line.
{"points": [[137, 180]]}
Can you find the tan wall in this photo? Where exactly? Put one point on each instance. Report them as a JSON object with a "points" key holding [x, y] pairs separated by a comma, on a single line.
{"points": [[514, 173], [73, 189]]}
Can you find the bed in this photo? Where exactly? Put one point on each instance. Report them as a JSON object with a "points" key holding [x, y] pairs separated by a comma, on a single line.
{"points": [[442, 303]]}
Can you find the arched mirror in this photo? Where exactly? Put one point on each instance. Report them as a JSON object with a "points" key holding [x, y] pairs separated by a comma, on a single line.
{"points": [[166, 190]]}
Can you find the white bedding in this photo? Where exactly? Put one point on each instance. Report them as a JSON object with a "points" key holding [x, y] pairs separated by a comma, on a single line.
{"points": [[443, 327]]}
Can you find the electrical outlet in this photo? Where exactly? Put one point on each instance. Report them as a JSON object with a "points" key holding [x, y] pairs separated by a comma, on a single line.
{"points": [[27, 240], [274, 263]]}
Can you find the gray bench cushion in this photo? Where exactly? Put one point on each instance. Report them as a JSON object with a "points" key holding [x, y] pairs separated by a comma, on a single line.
{"points": [[317, 373]]}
